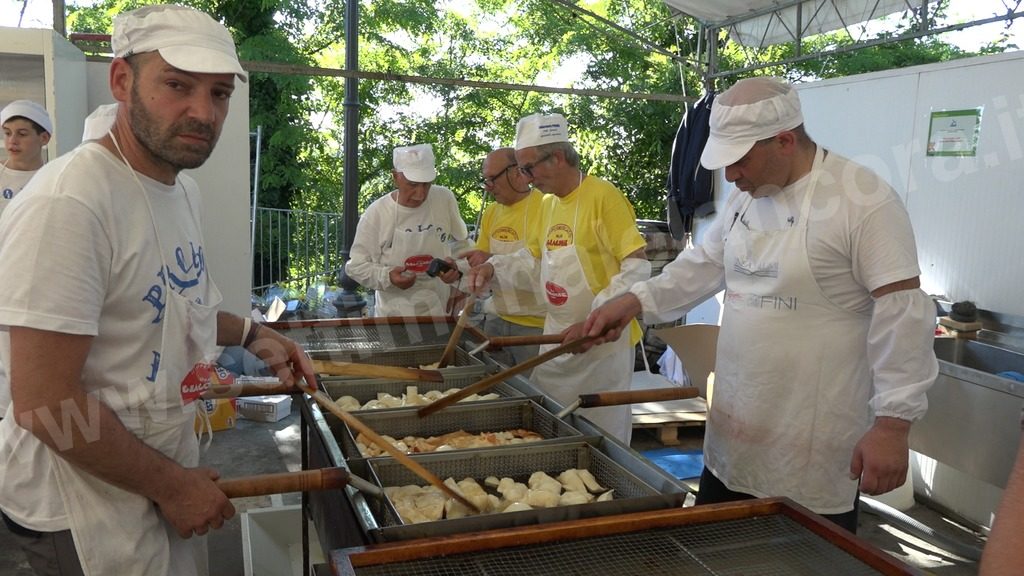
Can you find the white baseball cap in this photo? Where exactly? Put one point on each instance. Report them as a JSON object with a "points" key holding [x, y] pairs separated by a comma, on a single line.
{"points": [[752, 109], [99, 121], [27, 109], [186, 38], [416, 162], [538, 129]]}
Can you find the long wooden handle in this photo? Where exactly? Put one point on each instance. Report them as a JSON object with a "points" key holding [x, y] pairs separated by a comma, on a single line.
{"points": [[401, 457], [599, 399], [538, 340], [248, 389], [449, 350], [476, 388], [334, 368], [305, 481]]}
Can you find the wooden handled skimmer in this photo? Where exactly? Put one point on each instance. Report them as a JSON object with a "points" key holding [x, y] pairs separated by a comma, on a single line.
{"points": [[489, 381], [401, 457], [599, 399], [448, 356], [305, 481], [334, 368], [493, 342]]}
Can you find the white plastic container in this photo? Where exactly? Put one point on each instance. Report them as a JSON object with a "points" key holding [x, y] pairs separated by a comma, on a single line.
{"points": [[272, 542]]}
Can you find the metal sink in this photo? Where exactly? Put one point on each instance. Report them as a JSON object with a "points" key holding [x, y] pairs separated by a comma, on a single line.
{"points": [[978, 355], [973, 418]]}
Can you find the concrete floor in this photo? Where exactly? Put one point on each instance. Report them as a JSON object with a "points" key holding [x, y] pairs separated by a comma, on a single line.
{"points": [[257, 448]]}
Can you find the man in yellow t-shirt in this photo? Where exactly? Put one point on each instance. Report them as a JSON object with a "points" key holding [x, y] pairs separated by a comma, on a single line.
{"points": [[510, 224], [590, 252]]}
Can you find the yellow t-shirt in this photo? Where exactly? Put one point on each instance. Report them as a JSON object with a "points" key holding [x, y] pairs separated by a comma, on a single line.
{"points": [[599, 220], [520, 221]]}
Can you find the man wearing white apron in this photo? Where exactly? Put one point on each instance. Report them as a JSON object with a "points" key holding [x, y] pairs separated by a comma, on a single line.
{"points": [[97, 453], [591, 251], [401, 233], [825, 351], [510, 224]]}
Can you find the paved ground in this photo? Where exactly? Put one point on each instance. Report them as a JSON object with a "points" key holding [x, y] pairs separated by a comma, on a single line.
{"points": [[256, 448]]}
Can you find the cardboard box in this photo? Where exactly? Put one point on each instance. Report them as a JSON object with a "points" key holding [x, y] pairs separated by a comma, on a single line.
{"points": [[265, 408], [221, 411]]}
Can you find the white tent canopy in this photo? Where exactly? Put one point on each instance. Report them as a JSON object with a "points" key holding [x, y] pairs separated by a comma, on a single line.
{"points": [[759, 23]]}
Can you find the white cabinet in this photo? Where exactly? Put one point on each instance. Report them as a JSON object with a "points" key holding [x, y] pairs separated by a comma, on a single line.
{"points": [[41, 65]]}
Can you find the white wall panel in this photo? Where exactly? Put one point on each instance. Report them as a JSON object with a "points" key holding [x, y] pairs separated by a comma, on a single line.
{"points": [[966, 212], [224, 183]]}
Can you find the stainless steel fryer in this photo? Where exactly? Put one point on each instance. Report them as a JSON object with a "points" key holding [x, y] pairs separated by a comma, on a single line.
{"points": [[368, 334], [766, 537], [632, 494], [367, 389], [474, 418], [408, 357]]}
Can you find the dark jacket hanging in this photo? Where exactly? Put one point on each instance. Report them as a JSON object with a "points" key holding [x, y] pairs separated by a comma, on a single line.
{"points": [[690, 190]]}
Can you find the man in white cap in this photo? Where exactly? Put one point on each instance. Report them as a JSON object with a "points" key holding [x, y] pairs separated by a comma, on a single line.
{"points": [[27, 129], [510, 224], [399, 235], [825, 351], [591, 252], [97, 452]]}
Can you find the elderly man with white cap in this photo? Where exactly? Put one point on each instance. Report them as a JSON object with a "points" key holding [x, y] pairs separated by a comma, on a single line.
{"points": [[399, 235], [825, 351], [590, 251], [97, 452], [27, 130]]}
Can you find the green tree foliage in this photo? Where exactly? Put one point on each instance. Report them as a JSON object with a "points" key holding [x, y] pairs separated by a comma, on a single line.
{"points": [[627, 141]]}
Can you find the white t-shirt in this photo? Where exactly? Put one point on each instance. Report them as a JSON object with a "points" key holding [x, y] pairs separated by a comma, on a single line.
{"points": [[372, 247], [859, 238], [11, 182], [78, 255]]}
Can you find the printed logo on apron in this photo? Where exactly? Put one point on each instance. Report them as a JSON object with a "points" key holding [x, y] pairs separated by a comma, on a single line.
{"points": [[418, 263], [556, 294]]}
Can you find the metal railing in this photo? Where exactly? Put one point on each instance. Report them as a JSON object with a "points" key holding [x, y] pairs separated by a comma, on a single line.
{"points": [[295, 248]]}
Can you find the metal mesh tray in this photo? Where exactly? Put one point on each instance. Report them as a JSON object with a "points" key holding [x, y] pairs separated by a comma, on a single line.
{"points": [[411, 357], [369, 336], [365, 390], [518, 462], [768, 538], [474, 418]]}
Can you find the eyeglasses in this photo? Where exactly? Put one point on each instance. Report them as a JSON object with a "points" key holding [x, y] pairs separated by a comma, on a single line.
{"points": [[488, 181], [527, 169]]}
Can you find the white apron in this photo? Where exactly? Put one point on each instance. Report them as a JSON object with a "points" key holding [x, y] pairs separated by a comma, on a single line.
{"points": [[520, 296], [120, 532], [414, 250], [792, 382], [603, 368]]}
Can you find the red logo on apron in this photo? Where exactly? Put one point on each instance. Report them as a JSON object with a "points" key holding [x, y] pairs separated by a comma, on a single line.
{"points": [[556, 294], [418, 263], [200, 378]]}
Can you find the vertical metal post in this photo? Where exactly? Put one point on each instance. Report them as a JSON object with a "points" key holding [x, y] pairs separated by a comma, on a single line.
{"points": [[351, 106], [350, 301], [255, 193]]}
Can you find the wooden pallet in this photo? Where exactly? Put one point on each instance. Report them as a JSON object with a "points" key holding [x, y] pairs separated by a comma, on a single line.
{"points": [[667, 424]]}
